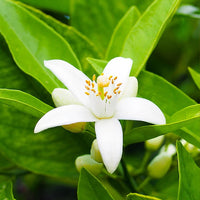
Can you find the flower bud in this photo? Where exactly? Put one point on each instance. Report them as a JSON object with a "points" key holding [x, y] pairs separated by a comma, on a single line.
{"points": [[62, 97], [131, 87], [88, 163], [95, 153], [160, 165], [154, 143], [193, 150]]}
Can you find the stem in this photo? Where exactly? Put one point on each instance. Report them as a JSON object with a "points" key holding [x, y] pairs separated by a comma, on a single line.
{"points": [[131, 182], [143, 164], [146, 180]]}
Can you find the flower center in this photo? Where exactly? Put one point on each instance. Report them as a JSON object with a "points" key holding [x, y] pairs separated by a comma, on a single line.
{"points": [[105, 87], [103, 94]]}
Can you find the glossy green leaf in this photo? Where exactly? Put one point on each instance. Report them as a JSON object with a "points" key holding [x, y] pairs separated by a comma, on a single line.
{"points": [[31, 42], [52, 153], [135, 196], [196, 76], [189, 175], [177, 121], [6, 190], [23, 101], [90, 187], [97, 23], [97, 65], [121, 31], [61, 6], [80, 44], [144, 36], [165, 95]]}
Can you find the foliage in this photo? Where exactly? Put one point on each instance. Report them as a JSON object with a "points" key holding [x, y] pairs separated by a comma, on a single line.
{"points": [[87, 34]]}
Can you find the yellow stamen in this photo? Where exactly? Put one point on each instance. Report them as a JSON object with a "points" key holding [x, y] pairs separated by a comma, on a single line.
{"points": [[105, 94], [109, 96], [92, 85], [93, 90], [119, 84], [119, 92], [115, 78], [110, 77], [87, 88], [88, 82], [94, 77], [87, 93], [115, 89], [112, 81], [102, 74]]}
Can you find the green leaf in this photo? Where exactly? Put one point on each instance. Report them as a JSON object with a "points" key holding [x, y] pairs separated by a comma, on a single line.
{"points": [[189, 175], [57, 6], [80, 44], [135, 196], [23, 101], [196, 76], [31, 42], [121, 31], [144, 36], [6, 190], [52, 153], [97, 65], [165, 95], [91, 187], [177, 121], [104, 14]]}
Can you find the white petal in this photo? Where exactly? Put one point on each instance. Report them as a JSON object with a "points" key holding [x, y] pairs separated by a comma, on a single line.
{"points": [[135, 108], [119, 67], [62, 97], [71, 77], [64, 115], [131, 88], [110, 140]]}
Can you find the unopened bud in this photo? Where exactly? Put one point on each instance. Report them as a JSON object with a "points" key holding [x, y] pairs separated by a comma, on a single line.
{"points": [[160, 165], [131, 88], [193, 150], [88, 163], [62, 97], [76, 127], [154, 143], [95, 153]]}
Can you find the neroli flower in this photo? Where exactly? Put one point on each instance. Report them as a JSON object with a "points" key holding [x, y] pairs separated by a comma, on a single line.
{"points": [[105, 100]]}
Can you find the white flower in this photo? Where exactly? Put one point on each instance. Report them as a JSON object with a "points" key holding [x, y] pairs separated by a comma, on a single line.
{"points": [[105, 101]]}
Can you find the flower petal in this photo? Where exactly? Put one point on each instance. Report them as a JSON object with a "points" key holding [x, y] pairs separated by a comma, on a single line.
{"points": [[71, 77], [64, 115], [110, 140], [119, 67], [135, 108], [131, 88]]}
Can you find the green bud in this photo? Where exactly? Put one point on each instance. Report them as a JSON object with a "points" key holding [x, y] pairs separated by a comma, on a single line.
{"points": [[88, 163], [62, 97], [154, 143], [95, 153], [160, 165], [193, 150]]}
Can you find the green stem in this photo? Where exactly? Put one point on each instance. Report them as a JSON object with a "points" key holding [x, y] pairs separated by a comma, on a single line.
{"points": [[145, 160], [131, 182], [146, 180]]}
